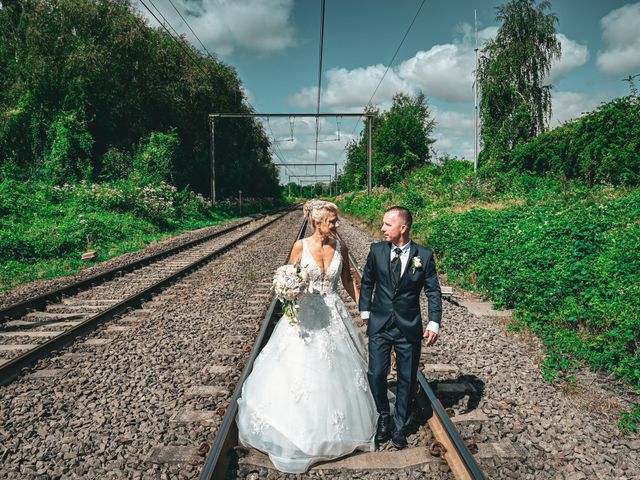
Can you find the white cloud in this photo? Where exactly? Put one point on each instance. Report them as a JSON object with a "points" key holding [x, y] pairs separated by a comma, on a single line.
{"points": [[569, 105], [223, 25], [621, 34], [350, 90], [454, 133], [573, 56], [444, 72]]}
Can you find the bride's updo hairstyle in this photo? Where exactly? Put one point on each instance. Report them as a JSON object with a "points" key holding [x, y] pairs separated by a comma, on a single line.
{"points": [[316, 210]]}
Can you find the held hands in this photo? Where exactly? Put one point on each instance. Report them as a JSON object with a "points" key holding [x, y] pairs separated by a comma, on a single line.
{"points": [[430, 337]]}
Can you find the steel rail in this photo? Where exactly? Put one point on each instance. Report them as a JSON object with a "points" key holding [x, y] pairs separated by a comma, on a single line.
{"points": [[445, 432], [40, 301], [11, 370], [218, 459], [226, 438]]}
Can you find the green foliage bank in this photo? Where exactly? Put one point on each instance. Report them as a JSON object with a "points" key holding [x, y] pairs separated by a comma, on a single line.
{"points": [[85, 85], [563, 256], [44, 229]]}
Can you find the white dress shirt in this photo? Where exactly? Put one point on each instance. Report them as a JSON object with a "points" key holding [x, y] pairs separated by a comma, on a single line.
{"points": [[404, 259]]}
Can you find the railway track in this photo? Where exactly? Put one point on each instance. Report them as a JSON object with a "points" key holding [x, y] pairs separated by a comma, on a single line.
{"points": [[33, 329], [222, 461]]}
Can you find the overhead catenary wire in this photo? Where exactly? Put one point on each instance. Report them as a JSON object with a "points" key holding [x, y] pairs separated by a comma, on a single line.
{"points": [[191, 29], [390, 63], [179, 43], [164, 18], [277, 147]]}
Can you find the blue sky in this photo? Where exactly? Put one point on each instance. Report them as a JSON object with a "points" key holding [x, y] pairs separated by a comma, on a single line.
{"points": [[274, 46]]}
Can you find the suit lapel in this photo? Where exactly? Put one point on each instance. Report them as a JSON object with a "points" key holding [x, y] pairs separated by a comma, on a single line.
{"points": [[413, 251], [386, 261]]}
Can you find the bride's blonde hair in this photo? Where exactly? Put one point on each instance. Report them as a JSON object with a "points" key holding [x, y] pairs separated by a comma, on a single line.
{"points": [[316, 210]]}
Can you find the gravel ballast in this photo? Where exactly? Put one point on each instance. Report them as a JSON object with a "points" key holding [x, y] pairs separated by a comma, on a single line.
{"points": [[496, 381], [139, 397], [143, 396]]}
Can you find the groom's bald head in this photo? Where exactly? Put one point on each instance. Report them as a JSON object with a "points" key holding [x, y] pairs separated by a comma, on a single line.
{"points": [[403, 214]]}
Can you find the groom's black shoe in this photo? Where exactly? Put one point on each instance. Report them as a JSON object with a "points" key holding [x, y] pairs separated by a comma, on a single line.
{"points": [[398, 440], [383, 433]]}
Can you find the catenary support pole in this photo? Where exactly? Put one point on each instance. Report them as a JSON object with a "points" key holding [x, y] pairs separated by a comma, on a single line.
{"points": [[369, 119], [213, 162]]}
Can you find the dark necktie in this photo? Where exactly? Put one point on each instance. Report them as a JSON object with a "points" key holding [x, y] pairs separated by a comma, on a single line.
{"points": [[396, 267]]}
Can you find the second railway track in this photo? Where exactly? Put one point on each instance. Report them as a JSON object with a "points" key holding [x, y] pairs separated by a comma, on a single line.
{"points": [[138, 397], [79, 308]]}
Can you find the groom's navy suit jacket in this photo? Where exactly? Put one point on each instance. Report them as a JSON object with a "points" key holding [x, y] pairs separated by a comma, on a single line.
{"points": [[382, 300]]}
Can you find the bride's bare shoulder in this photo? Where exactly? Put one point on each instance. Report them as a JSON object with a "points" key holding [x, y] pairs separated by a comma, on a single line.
{"points": [[296, 251]]}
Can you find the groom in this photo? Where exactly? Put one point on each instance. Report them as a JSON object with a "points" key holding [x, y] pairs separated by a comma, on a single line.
{"points": [[397, 270]]}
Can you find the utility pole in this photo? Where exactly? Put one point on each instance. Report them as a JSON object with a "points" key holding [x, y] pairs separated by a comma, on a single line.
{"points": [[213, 116], [475, 95], [369, 120], [213, 162]]}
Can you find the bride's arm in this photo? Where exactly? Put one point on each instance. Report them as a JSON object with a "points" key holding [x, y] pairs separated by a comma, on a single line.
{"points": [[296, 252], [348, 281]]}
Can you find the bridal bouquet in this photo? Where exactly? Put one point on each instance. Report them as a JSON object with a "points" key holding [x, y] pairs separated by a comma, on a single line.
{"points": [[289, 283]]}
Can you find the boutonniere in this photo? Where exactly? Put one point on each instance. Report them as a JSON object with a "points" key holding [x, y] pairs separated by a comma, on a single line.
{"points": [[416, 264]]}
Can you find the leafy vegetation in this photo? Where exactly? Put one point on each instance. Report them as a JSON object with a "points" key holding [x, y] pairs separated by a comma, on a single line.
{"points": [[602, 146], [44, 229], [85, 86], [100, 116], [563, 256], [515, 105], [630, 420], [401, 141]]}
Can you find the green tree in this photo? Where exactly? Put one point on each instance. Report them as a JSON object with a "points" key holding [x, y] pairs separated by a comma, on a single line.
{"points": [[401, 141], [67, 159], [515, 105], [154, 161], [70, 67]]}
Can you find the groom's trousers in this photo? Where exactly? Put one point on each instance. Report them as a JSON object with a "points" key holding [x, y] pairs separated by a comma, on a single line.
{"points": [[407, 361]]}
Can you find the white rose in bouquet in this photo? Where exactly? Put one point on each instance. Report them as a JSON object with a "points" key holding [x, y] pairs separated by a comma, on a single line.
{"points": [[289, 284]]}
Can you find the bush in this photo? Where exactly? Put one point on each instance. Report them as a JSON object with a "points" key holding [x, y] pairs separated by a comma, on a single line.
{"points": [[562, 254], [154, 159], [45, 228], [69, 153], [116, 165], [603, 146]]}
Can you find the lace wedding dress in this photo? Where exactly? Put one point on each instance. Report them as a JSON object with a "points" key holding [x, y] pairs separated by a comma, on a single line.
{"points": [[307, 398]]}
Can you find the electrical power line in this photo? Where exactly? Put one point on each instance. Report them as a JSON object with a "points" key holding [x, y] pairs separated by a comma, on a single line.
{"points": [[277, 147], [163, 18], [189, 27], [184, 49], [391, 62]]}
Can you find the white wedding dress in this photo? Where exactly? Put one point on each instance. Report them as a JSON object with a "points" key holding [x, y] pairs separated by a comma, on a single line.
{"points": [[307, 398]]}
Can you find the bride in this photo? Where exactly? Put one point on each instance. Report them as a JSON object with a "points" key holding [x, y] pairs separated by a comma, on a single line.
{"points": [[307, 398]]}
